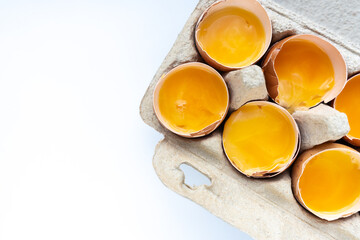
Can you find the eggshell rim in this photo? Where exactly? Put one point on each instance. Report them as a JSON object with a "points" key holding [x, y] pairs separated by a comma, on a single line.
{"points": [[269, 173], [271, 77], [211, 61], [355, 141], [206, 130], [298, 170]]}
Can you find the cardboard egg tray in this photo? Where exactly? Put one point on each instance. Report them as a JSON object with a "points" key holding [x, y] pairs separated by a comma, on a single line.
{"points": [[263, 208]]}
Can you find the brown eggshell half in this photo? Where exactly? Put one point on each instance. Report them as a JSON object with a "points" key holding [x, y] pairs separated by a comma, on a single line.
{"points": [[338, 62], [252, 6], [208, 129], [271, 172], [350, 139], [298, 169]]}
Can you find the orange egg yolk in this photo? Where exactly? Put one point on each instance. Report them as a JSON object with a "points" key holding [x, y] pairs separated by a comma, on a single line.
{"points": [[305, 74], [330, 182], [348, 102], [192, 98], [259, 137], [232, 36]]}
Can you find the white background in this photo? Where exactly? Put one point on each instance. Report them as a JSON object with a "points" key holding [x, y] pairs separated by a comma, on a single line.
{"points": [[75, 157]]}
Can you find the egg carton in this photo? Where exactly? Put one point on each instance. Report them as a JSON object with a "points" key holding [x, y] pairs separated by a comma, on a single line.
{"points": [[263, 208]]}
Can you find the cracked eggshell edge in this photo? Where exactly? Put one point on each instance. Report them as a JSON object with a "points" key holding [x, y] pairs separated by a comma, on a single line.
{"points": [[298, 169]]}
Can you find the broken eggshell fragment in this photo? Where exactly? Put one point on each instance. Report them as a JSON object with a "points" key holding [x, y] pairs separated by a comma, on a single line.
{"points": [[310, 58], [321, 179], [232, 34], [254, 141], [191, 100]]}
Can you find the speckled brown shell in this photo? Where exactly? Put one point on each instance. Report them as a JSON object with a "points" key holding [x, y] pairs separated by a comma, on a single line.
{"points": [[298, 169], [350, 139], [208, 129], [338, 62], [272, 173], [249, 5]]}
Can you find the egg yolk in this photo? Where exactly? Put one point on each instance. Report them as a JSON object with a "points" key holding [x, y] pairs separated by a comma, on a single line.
{"points": [[259, 137], [348, 102], [330, 182], [232, 36], [192, 98], [305, 74]]}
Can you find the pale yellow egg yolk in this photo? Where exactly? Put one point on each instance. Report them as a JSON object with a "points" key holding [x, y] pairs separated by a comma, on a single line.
{"points": [[259, 137], [232, 36], [330, 182], [191, 98], [348, 102], [305, 74]]}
